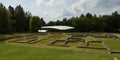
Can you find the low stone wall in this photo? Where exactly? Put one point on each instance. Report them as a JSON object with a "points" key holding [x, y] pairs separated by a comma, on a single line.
{"points": [[95, 41], [53, 42], [115, 52], [105, 46], [88, 47], [11, 37]]}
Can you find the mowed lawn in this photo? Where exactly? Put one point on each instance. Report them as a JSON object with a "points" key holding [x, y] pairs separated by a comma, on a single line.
{"points": [[17, 52], [113, 44], [42, 51]]}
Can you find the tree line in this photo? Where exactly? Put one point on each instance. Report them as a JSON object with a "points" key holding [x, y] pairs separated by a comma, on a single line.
{"points": [[17, 20], [92, 23]]}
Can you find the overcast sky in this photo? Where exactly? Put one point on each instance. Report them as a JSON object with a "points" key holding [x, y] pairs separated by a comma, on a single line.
{"points": [[52, 10]]}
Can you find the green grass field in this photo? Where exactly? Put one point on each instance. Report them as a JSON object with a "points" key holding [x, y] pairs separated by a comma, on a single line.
{"points": [[18, 52], [42, 51], [114, 44]]}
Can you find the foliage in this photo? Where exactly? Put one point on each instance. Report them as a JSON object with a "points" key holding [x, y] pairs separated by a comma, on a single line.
{"points": [[4, 20], [88, 22], [15, 19], [36, 23]]}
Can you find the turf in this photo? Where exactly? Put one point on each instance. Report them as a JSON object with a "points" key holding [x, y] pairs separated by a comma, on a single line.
{"points": [[42, 51], [74, 44], [17, 52], [98, 45], [114, 44]]}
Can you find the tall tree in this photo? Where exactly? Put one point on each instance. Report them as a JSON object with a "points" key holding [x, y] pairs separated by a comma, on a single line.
{"points": [[51, 23], [36, 23], [28, 15], [12, 18], [89, 15], [115, 18], [4, 19], [20, 19], [43, 22], [82, 24]]}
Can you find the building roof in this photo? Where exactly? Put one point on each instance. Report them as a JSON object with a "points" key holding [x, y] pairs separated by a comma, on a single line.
{"points": [[58, 27], [42, 31]]}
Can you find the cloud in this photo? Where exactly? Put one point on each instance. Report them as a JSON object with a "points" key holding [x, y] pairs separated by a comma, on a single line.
{"points": [[96, 6], [40, 2], [66, 13], [80, 5], [56, 2], [49, 2], [68, 8], [107, 6], [58, 9], [51, 16], [108, 3]]}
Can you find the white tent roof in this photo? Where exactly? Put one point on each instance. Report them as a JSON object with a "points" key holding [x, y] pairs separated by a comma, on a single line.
{"points": [[42, 31], [58, 27]]}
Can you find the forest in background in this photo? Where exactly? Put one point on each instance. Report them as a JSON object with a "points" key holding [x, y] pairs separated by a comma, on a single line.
{"points": [[16, 20]]}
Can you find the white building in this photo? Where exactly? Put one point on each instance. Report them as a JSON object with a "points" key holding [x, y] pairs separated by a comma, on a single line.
{"points": [[61, 28]]}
